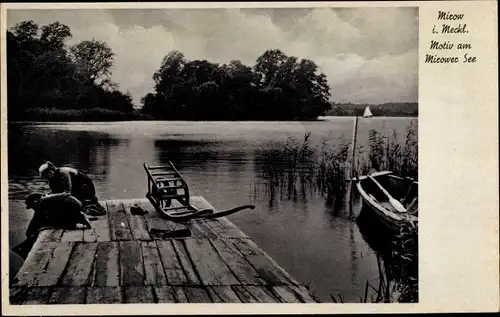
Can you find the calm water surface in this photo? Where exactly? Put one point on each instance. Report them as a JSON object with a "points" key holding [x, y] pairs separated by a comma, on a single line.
{"points": [[222, 161]]}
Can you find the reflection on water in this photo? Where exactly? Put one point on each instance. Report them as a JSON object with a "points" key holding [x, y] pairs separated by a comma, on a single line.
{"points": [[230, 163]]}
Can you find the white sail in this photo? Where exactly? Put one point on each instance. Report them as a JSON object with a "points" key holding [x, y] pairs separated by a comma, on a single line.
{"points": [[367, 113]]}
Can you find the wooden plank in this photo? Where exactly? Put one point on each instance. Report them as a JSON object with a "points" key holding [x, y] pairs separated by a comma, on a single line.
{"points": [[106, 269], [246, 247], [138, 294], [35, 264], [50, 235], [225, 228], [180, 295], [131, 264], [53, 271], [200, 226], [231, 232], [165, 294], [201, 203], [29, 295], [155, 275], [303, 294], [89, 235], [197, 231], [104, 295], [208, 263], [201, 229], [72, 235], [285, 294], [156, 223], [171, 265], [243, 294], [268, 270], [45, 264], [243, 270], [118, 222], [187, 266], [197, 295], [67, 295], [137, 223], [223, 294], [101, 228], [262, 294], [80, 265]]}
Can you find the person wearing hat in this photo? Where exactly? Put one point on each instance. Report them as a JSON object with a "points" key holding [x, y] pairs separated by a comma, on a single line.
{"points": [[70, 180]]}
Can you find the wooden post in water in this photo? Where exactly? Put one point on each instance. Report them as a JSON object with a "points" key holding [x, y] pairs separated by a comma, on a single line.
{"points": [[351, 173], [366, 114]]}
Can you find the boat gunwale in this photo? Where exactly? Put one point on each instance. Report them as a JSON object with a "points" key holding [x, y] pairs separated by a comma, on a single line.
{"points": [[388, 216]]}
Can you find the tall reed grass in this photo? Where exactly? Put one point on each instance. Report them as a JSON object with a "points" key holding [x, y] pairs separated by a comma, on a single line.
{"points": [[296, 165], [331, 172], [291, 168], [387, 152]]}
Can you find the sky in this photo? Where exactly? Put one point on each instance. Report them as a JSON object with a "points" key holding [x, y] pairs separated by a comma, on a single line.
{"points": [[370, 55]]}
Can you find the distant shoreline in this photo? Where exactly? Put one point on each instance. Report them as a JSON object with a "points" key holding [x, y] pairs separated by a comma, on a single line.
{"points": [[106, 115], [321, 118]]}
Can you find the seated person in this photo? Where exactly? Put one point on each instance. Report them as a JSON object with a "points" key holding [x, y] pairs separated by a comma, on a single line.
{"points": [[70, 180], [62, 211]]}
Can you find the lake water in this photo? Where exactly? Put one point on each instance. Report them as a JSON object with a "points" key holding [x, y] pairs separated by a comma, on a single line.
{"points": [[222, 161]]}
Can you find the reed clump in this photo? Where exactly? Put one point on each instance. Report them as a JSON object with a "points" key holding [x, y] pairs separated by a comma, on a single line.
{"points": [[331, 172], [324, 168], [404, 268], [290, 167], [387, 152], [298, 164]]}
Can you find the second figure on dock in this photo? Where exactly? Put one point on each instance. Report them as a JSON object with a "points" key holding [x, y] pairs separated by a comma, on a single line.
{"points": [[71, 180]]}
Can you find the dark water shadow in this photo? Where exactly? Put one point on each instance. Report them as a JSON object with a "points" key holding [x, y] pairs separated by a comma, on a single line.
{"points": [[387, 245], [28, 148], [183, 152]]}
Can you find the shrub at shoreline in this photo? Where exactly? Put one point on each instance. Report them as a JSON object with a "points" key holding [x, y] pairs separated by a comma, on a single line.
{"points": [[92, 114]]}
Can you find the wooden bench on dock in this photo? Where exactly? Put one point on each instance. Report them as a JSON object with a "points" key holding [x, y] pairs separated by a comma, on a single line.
{"points": [[120, 260]]}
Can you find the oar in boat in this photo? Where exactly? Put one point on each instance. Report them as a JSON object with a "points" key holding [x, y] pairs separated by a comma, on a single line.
{"points": [[394, 202]]}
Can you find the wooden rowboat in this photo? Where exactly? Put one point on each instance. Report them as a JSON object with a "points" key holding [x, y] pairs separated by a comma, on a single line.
{"points": [[393, 199]]}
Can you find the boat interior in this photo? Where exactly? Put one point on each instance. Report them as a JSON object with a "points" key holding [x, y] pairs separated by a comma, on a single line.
{"points": [[405, 190]]}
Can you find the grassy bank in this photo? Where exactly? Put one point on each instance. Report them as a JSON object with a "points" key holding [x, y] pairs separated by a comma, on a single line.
{"points": [[84, 115]]}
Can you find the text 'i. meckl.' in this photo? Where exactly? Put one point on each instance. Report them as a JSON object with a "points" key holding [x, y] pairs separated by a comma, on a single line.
{"points": [[451, 26]]}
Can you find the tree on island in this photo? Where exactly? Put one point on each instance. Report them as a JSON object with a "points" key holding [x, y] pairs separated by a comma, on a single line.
{"points": [[43, 73], [278, 87], [94, 60]]}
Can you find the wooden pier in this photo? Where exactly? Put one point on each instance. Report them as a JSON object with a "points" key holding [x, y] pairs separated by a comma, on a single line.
{"points": [[124, 258]]}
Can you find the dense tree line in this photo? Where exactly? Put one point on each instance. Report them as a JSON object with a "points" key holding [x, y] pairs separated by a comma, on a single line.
{"points": [[48, 79], [43, 72], [277, 87]]}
